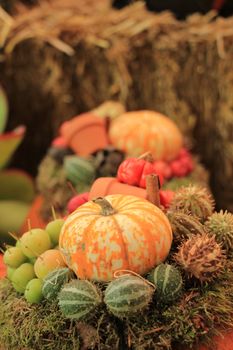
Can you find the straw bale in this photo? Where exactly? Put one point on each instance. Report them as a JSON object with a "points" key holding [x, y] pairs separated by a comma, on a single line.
{"points": [[65, 57]]}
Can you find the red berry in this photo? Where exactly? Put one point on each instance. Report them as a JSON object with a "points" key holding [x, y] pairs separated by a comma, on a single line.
{"points": [[162, 168], [59, 142], [76, 201], [166, 196], [178, 170], [187, 163], [183, 153]]}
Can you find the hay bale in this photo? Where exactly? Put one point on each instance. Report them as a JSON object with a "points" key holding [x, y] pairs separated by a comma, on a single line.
{"points": [[64, 58]]}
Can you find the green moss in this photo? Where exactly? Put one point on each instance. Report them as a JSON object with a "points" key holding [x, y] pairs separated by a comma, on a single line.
{"points": [[42, 327], [196, 316]]}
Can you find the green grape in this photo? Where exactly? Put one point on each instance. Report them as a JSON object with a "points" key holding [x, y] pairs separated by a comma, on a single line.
{"points": [[22, 275], [54, 228], [35, 242], [14, 257], [33, 292]]}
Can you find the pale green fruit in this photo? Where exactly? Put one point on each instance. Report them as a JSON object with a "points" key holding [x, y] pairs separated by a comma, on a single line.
{"points": [[35, 242], [14, 257], [9, 272], [18, 244], [22, 275], [54, 228], [33, 292], [48, 261]]}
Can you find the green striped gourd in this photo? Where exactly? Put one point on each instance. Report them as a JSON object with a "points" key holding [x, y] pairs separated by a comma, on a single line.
{"points": [[127, 295], [78, 299], [54, 281], [183, 225], [168, 282], [78, 170]]}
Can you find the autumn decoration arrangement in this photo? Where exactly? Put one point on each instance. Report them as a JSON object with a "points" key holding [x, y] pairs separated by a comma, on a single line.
{"points": [[86, 279], [131, 265]]}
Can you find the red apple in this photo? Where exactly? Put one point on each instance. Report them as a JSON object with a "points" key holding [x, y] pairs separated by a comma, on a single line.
{"points": [[76, 201], [166, 196]]}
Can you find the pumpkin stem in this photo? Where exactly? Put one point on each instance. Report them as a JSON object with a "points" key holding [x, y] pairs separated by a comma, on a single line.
{"points": [[106, 208], [107, 123], [147, 157], [152, 189]]}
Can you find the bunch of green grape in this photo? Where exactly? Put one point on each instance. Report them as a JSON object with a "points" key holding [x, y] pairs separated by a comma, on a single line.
{"points": [[35, 254]]}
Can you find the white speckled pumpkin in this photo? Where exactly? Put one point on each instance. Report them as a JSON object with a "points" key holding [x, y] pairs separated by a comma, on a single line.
{"points": [[113, 233], [137, 132]]}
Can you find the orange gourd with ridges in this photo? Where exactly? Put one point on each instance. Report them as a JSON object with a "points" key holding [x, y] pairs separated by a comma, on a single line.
{"points": [[119, 232], [142, 131]]}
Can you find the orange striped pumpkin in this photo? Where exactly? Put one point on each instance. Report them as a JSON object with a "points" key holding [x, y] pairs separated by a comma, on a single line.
{"points": [[114, 233], [142, 131]]}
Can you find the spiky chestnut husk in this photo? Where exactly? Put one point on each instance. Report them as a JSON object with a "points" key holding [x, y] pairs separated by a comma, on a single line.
{"points": [[221, 225], [128, 295], [202, 257], [184, 225], [177, 182], [78, 299], [195, 200], [168, 282]]}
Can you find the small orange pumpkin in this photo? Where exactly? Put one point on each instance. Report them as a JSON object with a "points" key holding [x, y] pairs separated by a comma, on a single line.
{"points": [[117, 232], [138, 132]]}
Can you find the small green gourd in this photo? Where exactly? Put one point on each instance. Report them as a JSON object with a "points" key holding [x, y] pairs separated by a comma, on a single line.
{"points": [[80, 171], [78, 299], [168, 282], [128, 295], [54, 281]]}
